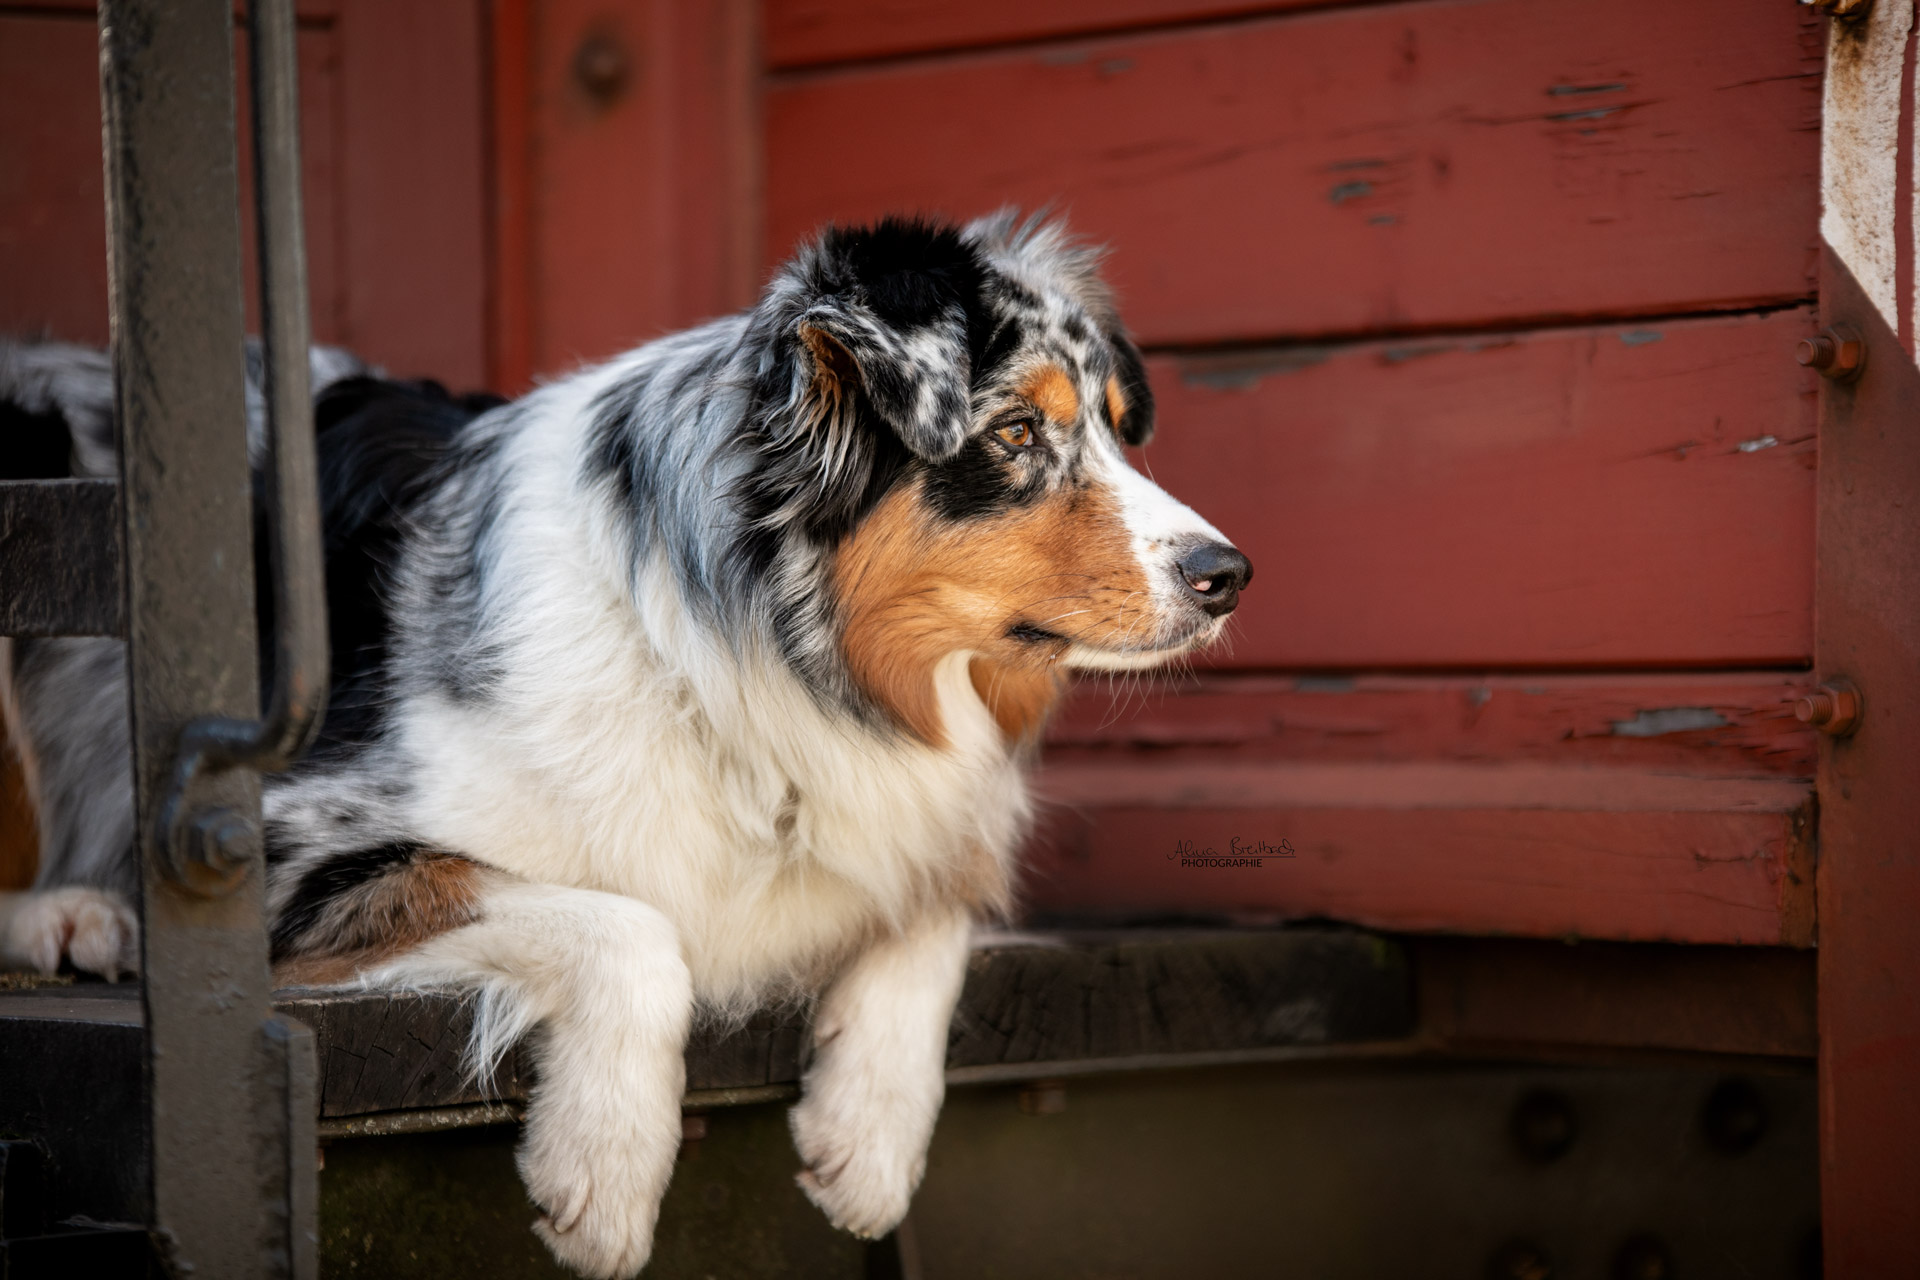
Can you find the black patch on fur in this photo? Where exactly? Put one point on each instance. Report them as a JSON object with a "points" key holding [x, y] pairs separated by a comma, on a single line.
{"points": [[382, 446], [613, 446], [1136, 427], [34, 446], [329, 878], [908, 271], [977, 482]]}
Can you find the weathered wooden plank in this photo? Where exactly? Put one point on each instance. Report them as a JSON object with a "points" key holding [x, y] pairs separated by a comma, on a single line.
{"points": [[374, 1048], [1707, 724], [60, 562], [800, 32], [1155, 993], [1520, 850], [414, 230], [1356, 169], [1073, 998], [1623, 496], [625, 166]]}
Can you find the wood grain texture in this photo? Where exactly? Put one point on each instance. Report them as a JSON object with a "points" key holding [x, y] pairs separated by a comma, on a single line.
{"points": [[801, 32], [412, 187], [1150, 994], [628, 212], [1057, 1000], [1527, 851], [1703, 725], [409, 1045], [1621, 496], [1378, 167]]}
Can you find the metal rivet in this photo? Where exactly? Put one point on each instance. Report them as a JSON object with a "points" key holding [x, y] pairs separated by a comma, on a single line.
{"points": [[601, 68], [1643, 1258], [1543, 1125], [1043, 1097], [212, 853], [1734, 1116], [1835, 708], [1519, 1260], [1837, 352]]}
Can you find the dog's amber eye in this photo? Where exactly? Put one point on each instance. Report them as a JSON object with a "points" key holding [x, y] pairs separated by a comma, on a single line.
{"points": [[1018, 434]]}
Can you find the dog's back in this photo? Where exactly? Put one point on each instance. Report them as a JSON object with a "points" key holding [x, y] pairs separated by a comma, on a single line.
{"points": [[381, 445]]}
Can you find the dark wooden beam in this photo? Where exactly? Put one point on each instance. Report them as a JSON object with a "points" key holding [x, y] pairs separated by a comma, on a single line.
{"points": [[1030, 1008]]}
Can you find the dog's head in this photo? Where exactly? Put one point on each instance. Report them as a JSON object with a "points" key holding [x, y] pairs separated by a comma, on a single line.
{"points": [[950, 406]]}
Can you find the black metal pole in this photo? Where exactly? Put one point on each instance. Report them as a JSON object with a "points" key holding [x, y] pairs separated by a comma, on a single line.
{"points": [[228, 1085]]}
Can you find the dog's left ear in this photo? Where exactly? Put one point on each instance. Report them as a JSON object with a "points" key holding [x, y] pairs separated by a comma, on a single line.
{"points": [[915, 376], [1133, 414]]}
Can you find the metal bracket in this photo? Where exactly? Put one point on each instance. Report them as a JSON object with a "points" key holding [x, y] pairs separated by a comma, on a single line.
{"points": [[205, 847]]}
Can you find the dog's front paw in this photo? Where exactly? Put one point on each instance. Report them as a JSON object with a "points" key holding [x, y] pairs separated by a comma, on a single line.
{"points": [[864, 1155], [598, 1184], [93, 928]]}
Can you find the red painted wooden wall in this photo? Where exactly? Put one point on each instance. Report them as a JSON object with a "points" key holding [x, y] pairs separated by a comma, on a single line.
{"points": [[1473, 323], [1471, 320], [393, 136]]}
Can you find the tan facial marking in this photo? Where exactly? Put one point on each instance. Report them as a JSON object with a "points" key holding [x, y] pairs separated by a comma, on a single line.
{"points": [[913, 589], [1116, 404], [1049, 388], [384, 916]]}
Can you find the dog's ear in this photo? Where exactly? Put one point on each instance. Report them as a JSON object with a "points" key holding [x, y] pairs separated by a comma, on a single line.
{"points": [[884, 319], [914, 377], [1133, 412]]}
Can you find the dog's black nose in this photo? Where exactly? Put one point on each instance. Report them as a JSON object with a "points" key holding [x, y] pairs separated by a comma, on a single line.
{"points": [[1214, 572]]}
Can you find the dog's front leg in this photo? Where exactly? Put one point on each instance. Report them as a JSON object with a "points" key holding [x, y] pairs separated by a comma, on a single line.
{"points": [[878, 1075], [603, 979]]}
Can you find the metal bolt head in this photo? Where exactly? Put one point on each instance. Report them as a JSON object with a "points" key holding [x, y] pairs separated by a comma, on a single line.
{"points": [[1543, 1125], [1643, 1258], [1838, 353], [1519, 1260], [1734, 1116], [1845, 10], [1834, 708], [601, 67], [209, 852], [219, 840]]}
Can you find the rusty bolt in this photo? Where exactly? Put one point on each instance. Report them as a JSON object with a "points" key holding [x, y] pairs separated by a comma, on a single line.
{"points": [[211, 852], [1643, 1257], [601, 67], [1543, 1125], [1845, 10], [1043, 1097], [1834, 709], [1836, 353], [1519, 1260]]}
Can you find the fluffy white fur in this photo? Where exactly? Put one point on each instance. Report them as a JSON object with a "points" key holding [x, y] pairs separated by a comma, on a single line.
{"points": [[674, 814]]}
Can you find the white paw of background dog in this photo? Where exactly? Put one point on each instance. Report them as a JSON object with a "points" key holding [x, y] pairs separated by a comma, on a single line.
{"points": [[599, 1181], [864, 1147], [95, 929]]}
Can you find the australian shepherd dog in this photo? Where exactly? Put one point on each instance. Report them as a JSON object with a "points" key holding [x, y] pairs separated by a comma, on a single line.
{"points": [[697, 680]]}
